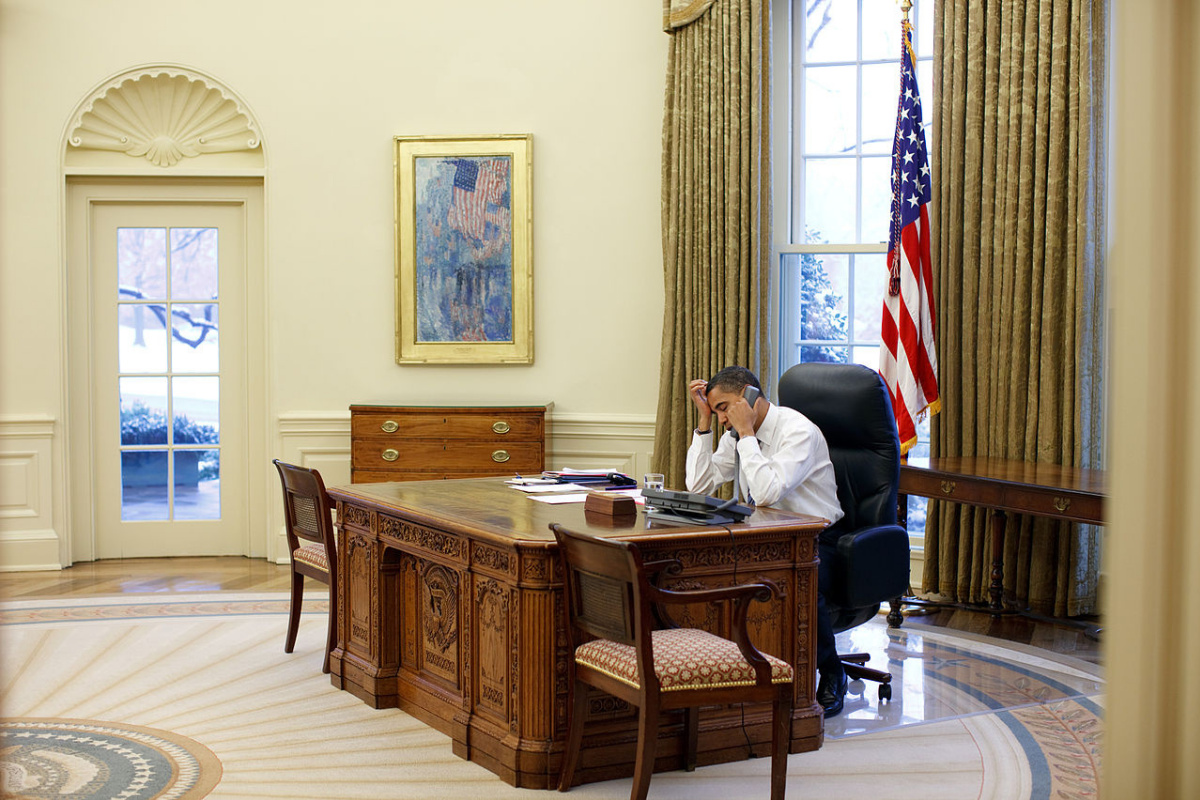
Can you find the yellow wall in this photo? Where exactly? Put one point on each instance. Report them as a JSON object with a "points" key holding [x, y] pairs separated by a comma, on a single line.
{"points": [[331, 84]]}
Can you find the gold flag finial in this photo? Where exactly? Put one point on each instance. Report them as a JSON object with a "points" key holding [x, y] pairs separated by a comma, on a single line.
{"points": [[905, 7]]}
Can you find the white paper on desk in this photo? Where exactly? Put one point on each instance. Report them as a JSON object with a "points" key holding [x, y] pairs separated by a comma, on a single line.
{"points": [[629, 491], [543, 488], [559, 498]]}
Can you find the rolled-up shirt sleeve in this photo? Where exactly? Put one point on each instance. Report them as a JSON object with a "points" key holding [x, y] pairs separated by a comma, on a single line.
{"points": [[706, 470]]}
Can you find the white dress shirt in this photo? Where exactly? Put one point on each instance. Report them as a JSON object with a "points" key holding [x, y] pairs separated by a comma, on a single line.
{"points": [[784, 465]]}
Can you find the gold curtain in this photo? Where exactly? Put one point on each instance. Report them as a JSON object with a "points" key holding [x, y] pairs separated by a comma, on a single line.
{"points": [[1018, 231], [716, 206]]}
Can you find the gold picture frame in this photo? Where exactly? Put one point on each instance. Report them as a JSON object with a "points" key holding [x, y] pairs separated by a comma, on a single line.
{"points": [[464, 238]]}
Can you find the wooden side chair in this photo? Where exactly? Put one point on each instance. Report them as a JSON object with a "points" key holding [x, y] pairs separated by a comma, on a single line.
{"points": [[610, 613], [311, 541]]}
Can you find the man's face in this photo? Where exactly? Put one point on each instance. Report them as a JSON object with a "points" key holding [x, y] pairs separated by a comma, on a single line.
{"points": [[720, 400]]}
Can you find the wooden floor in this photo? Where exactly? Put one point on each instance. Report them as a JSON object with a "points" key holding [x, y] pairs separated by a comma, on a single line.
{"points": [[165, 575]]}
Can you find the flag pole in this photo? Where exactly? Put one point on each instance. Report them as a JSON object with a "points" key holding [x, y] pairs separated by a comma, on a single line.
{"points": [[905, 7]]}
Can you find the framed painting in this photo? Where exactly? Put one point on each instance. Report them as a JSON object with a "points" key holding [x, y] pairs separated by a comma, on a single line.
{"points": [[464, 265]]}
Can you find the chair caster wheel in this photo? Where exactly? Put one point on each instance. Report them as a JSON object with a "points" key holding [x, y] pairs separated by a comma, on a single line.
{"points": [[885, 691]]}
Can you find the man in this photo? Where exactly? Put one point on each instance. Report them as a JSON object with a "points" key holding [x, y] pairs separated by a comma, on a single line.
{"points": [[783, 461]]}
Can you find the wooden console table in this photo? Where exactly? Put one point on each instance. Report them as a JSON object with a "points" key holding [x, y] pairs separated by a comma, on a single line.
{"points": [[450, 608], [1002, 485], [421, 443]]}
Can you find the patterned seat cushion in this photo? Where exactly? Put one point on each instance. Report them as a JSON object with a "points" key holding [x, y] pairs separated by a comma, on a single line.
{"points": [[314, 555], [684, 658]]}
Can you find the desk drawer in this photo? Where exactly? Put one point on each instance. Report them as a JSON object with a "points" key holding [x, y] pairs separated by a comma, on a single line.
{"points": [[420, 455], [367, 476], [480, 426], [952, 488]]}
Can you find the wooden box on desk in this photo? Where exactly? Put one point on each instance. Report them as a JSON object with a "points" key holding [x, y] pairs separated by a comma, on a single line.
{"points": [[612, 504], [413, 443]]}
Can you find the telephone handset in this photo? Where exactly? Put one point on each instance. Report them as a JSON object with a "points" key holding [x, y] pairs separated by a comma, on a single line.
{"points": [[751, 394]]}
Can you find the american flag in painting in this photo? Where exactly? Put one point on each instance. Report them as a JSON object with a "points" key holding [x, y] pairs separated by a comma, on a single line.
{"points": [[907, 360], [480, 195]]}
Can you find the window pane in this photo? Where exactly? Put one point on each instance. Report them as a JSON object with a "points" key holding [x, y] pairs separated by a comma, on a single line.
{"points": [[925, 89], [143, 410], [194, 341], [829, 199], [829, 122], [867, 356], [823, 294], [923, 29], [194, 263], [839, 355], [144, 485], [917, 507], [870, 282], [881, 97], [830, 30], [196, 402], [197, 484], [876, 199], [881, 29], [142, 263], [141, 338]]}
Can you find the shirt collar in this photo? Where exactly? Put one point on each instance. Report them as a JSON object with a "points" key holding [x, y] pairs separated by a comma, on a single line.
{"points": [[766, 431]]}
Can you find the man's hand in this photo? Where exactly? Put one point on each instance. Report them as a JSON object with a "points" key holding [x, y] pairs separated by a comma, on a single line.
{"points": [[741, 417], [697, 391]]}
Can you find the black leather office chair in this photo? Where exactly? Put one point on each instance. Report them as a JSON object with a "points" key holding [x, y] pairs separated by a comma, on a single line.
{"points": [[851, 405]]}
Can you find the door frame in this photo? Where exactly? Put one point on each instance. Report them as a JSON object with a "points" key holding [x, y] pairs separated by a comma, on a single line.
{"points": [[81, 194]]}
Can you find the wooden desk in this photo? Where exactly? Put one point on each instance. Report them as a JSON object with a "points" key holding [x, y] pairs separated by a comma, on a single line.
{"points": [[1044, 490], [450, 608]]}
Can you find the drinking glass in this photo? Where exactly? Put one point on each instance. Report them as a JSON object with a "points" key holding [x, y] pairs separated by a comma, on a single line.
{"points": [[653, 480]]}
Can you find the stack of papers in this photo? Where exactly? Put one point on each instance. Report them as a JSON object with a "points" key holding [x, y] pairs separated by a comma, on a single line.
{"points": [[564, 486]]}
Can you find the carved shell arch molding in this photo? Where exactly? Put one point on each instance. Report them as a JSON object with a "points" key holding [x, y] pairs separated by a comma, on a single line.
{"points": [[164, 114]]}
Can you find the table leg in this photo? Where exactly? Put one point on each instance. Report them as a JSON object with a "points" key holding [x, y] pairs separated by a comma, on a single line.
{"points": [[996, 590]]}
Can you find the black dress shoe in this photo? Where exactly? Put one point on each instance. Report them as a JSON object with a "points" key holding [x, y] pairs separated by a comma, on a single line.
{"points": [[831, 691]]}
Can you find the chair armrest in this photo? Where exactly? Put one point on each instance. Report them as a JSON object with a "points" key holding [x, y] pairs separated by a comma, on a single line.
{"points": [[872, 566], [762, 591], [740, 595]]}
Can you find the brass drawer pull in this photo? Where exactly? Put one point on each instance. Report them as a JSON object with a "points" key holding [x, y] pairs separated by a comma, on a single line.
{"points": [[390, 454], [1062, 503], [500, 427], [391, 426], [948, 487], [500, 456]]}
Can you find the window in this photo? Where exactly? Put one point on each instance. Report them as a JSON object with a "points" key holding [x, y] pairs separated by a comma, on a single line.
{"points": [[837, 81], [169, 369]]}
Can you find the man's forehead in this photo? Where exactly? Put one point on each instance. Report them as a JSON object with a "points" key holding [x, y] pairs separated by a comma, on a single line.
{"points": [[718, 395]]}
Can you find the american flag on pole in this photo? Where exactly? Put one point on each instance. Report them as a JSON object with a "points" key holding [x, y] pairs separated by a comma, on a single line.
{"points": [[907, 360]]}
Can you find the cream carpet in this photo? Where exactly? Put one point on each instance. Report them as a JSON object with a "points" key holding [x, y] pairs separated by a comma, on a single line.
{"points": [[194, 697]]}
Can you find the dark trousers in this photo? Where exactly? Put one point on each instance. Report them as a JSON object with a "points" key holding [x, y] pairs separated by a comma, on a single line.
{"points": [[826, 643]]}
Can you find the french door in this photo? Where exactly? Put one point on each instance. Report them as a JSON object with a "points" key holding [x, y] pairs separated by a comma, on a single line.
{"points": [[167, 375]]}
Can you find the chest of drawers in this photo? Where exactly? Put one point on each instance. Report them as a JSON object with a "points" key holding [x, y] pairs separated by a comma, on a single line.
{"points": [[414, 443]]}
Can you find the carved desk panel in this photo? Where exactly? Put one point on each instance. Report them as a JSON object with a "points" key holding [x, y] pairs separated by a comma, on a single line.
{"points": [[450, 608]]}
